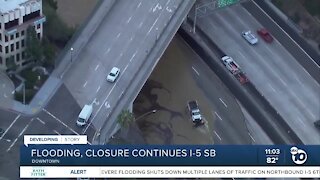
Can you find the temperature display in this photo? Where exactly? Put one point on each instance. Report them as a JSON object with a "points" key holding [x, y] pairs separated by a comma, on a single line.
{"points": [[272, 155]]}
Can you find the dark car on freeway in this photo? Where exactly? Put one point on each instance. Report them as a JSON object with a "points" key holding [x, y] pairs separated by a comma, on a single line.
{"points": [[265, 35]]}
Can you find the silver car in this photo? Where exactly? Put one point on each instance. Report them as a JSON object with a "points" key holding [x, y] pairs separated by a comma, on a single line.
{"points": [[247, 35]]}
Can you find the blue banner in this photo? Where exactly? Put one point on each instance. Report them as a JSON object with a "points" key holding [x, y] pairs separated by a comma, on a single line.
{"points": [[173, 155]]}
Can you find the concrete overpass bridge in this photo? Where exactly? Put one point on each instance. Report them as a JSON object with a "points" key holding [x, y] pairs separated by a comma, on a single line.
{"points": [[131, 36]]}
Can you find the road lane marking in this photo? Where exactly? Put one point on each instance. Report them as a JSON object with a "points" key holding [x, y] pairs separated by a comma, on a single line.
{"points": [[22, 132], [133, 55], [13, 91], [218, 115], [195, 71], [282, 81], [84, 85], [131, 38], [252, 137], [98, 89], [158, 6], [140, 24], [5, 132], [108, 50], [118, 35], [56, 132], [272, 88], [5, 95], [121, 94], [301, 121], [223, 102], [121, 54], [129, 19], [40, 120], [304, 107], [153, 25], [107, 105], [217, 134], [139, 4], [168, 9], [54, 117], [97, 67], [287, 35], [125, 68]]}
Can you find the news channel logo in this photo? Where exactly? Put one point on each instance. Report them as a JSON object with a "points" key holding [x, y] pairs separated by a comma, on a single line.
{"points": [[298, 156]]}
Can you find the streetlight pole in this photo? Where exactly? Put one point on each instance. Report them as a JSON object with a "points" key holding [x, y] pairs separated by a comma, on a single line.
{"points": [[145, 114], [71, 51]]}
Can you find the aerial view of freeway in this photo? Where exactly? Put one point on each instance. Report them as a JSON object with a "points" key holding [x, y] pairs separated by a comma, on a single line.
{"points": [[165, 71]]}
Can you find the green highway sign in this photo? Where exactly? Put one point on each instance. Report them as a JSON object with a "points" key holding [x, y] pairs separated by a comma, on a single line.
{"points": [[223, 3]]}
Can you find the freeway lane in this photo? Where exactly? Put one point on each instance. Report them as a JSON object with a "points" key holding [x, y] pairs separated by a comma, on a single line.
{"points": [[250, 98], [285, 40], [228, 120], [274, 71]]}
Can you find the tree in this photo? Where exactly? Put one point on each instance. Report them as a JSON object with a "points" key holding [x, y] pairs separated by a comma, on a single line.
{"points": [[55, 29], [52, 3], [125, 118], [49, 53], [33, 45]]}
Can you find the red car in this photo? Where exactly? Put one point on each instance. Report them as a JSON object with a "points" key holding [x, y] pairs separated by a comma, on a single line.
{"points": [[265, 35]]}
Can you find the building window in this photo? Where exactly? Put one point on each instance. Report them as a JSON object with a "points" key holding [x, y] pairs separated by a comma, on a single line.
{"points": [[7, 60], [12, 37], [22, 43], [17, 34], [38, 34], [12, 47], [31, 16], [22, 33], [38, 26], [17, 45], [1, 60], [6, 38], [0, 48], [0, 36], [23, 55], [11, 24], [7, 49], [18, 57]]}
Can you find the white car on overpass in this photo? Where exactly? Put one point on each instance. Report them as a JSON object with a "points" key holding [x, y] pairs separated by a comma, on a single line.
{"points": [[248, 35], [113, 75]]}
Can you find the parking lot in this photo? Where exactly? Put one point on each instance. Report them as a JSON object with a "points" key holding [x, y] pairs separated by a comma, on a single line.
{"points": [[55, 118]]}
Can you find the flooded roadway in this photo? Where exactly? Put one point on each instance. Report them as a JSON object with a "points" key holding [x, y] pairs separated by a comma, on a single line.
{"points": [[181, 76]]}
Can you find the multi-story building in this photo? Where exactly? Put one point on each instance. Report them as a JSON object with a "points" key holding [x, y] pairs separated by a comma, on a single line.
{"points": [[15, 17]]}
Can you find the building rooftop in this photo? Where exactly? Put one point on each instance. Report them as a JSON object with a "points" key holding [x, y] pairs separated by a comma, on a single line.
{"points": [[8, 5]]}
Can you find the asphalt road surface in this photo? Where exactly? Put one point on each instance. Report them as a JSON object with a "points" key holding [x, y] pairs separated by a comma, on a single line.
{"points": [[270, 67], [123, 39]]}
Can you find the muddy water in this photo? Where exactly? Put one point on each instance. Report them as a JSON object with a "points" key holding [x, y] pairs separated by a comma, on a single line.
{"points": [[74, 12], [168, 89]]}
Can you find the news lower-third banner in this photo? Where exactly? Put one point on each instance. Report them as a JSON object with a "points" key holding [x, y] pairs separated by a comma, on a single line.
{"points": [[173, 155], [42, 156]]}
